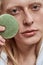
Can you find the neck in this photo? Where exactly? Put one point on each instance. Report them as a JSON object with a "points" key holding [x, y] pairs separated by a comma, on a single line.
{"points": [[26, 55], [25, 50]]}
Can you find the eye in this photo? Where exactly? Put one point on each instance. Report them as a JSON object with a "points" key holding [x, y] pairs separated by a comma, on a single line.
{"points": [[35, 7], [14, 11]]}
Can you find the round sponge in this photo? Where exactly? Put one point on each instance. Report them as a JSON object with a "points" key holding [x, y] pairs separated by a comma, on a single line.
{"points": [[10, 24]]}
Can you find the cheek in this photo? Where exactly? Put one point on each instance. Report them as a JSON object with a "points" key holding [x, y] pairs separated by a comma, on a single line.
{"points": [[20, 21], [38, 17], [38, 21]]}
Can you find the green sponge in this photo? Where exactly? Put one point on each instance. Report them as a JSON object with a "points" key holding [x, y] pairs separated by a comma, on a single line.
{"points": [[11, 26]]}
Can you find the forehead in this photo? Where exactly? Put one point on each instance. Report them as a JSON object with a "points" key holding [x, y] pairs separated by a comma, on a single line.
{"points": [[9, 3], [21, 1]]}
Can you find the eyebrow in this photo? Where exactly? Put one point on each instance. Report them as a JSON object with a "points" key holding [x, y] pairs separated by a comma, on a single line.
{"points": [[35, 3], [18, 5]]}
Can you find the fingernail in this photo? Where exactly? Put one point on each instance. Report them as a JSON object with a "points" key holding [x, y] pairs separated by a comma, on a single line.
{"points": [[3, 28]]}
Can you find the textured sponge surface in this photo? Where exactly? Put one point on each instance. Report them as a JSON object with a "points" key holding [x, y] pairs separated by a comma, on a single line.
{"points": [[11, 26]]}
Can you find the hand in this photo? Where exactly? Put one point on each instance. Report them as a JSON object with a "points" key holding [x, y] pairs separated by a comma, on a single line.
{"points": [[2, 40]]}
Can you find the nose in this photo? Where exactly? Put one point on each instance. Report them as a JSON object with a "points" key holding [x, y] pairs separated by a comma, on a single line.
{"points": [[28, 19]]}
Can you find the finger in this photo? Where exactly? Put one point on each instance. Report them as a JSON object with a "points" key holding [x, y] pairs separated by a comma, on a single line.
{"points": [[2, 28], [1, 43], [2, 39]]}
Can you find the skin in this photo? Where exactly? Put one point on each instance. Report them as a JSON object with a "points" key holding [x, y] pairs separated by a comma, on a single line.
{"points": [[29, 17]]}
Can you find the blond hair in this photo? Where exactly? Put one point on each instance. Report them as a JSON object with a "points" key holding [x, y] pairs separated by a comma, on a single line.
{"points": [[11, 51]]}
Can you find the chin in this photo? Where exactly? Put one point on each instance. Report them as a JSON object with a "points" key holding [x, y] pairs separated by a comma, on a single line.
{"points": [[33, 40]]}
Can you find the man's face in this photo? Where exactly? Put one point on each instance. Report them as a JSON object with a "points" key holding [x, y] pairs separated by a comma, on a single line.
{"points": [[29, 14]]}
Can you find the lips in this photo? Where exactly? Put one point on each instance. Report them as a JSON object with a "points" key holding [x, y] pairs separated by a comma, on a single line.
{"points": [[29, 33]]}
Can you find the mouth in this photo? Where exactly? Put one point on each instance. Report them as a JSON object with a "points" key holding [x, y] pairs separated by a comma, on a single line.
{"points": [[29, 33]]}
